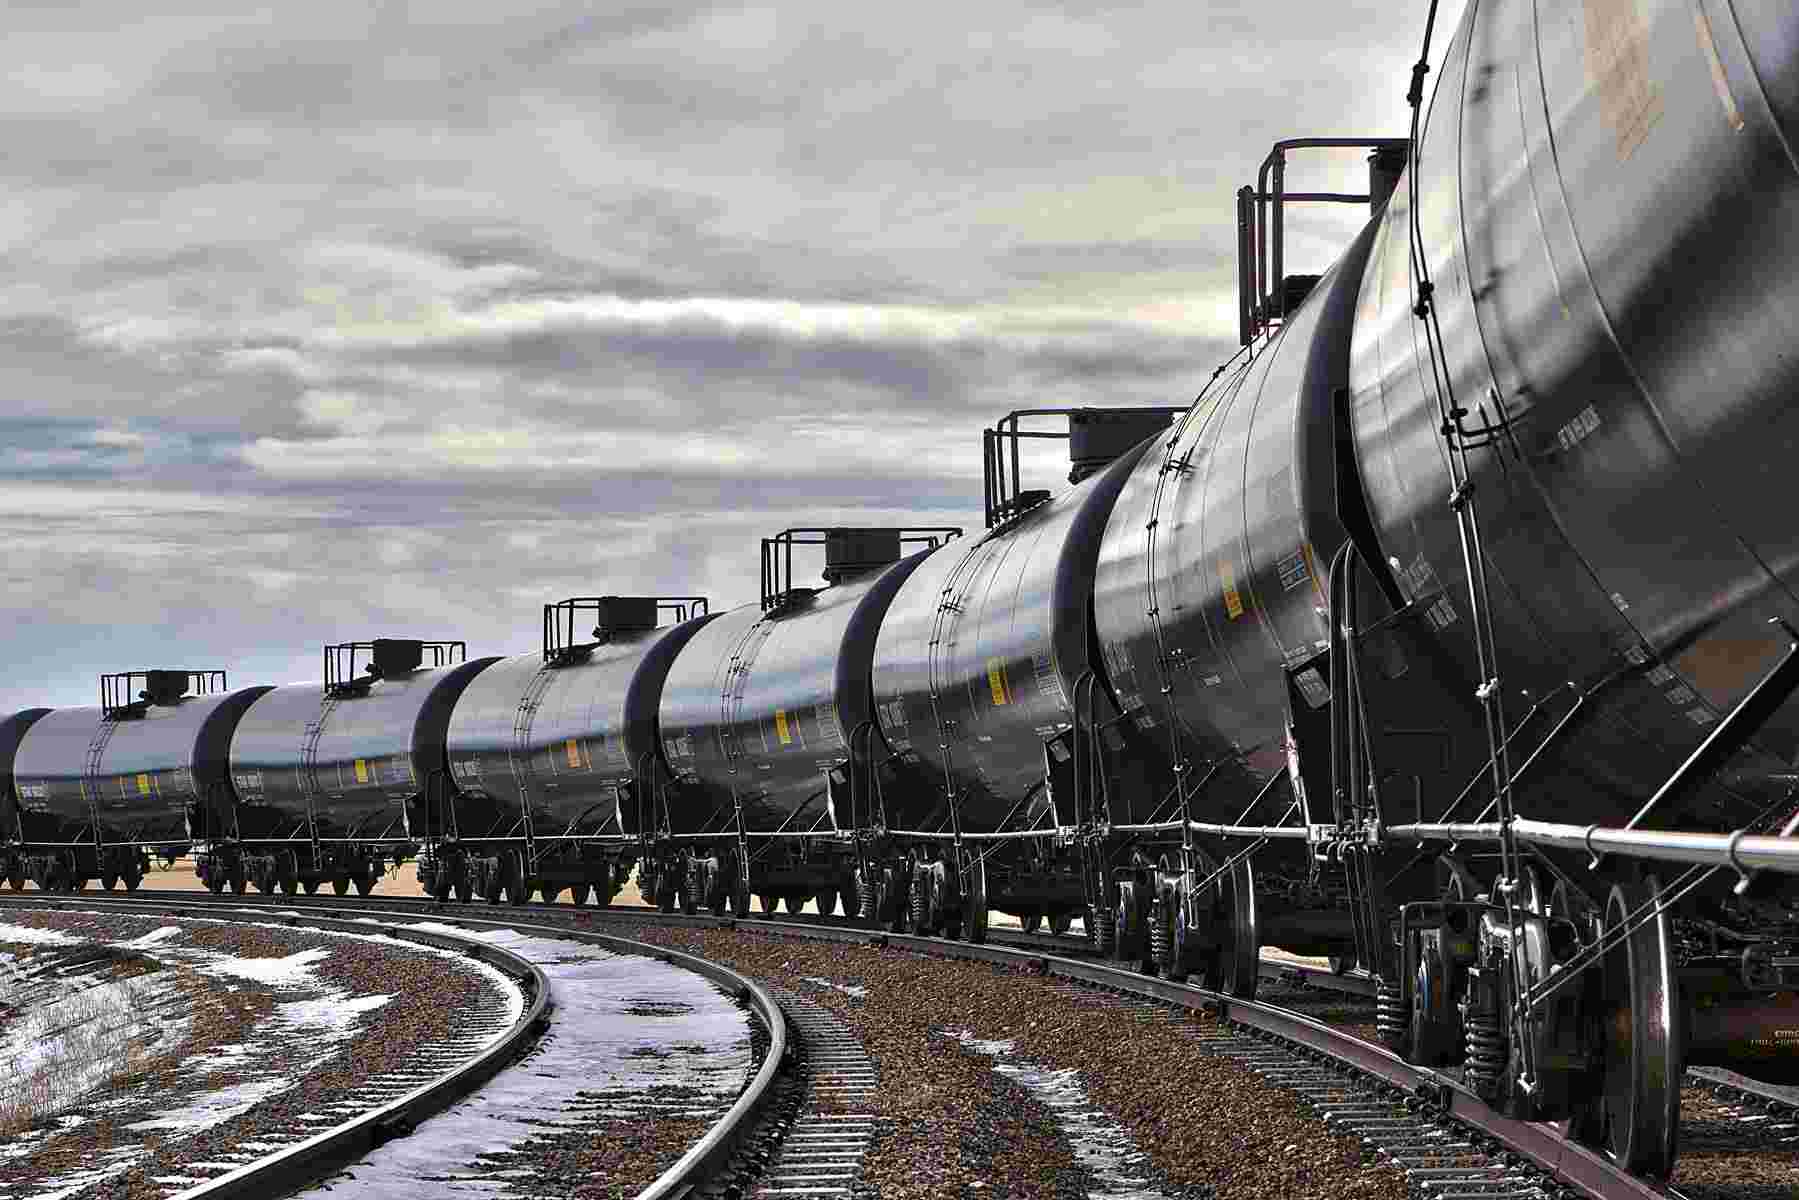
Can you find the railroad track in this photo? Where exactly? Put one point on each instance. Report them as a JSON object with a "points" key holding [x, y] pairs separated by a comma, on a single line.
{"points": [[377, 1109], [1424, 1121]]}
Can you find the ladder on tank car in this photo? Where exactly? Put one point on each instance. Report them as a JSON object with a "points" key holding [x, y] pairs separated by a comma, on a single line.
{"points": [[309, 764], [90, 779], [519, 758]]}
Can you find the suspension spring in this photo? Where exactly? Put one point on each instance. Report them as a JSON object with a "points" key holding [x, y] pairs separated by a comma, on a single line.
{"points": [[1486, 1053], [917, 906], [865, 896], [646, 884], [696, 887], [1392, 1022], [1159, 948], [1101, 931]]}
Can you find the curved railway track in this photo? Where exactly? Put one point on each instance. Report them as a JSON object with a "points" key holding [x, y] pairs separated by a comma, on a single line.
{"points": [[327, 1151], [1448, 1141]]}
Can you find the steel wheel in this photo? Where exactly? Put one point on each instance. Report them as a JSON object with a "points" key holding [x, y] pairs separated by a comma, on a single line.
{"points": [[1642, 1011], [1061, 923], [341, 885], [827, 902], [796, 905], [1241, 955], [465, 889], [311, 886], [771, 904], [109, 882], [365, 884], [1032, 922], [974, 900]]}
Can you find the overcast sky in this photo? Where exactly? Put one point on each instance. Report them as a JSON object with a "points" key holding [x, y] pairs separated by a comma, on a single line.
{"points": [[352, 320]]}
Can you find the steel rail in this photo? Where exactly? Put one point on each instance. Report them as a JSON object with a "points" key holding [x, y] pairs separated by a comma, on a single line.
{"points": [[704, 1159]]}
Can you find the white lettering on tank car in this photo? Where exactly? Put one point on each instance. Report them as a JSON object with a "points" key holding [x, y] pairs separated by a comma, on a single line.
{"points": [[1579, 429]]}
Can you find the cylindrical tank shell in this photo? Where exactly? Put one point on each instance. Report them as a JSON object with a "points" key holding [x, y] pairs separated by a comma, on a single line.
{"points": [[1211, 574], [153, 780], [758, 706], [587, 727], [984, 645], [367, 754], [1608, 212], [12, 730]]}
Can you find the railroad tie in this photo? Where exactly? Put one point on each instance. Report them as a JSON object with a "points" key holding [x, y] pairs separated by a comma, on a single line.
{"points": [[822, 1153]]}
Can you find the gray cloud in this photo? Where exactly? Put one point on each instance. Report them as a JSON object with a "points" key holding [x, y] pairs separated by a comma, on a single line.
{"points": [[340, 319]]}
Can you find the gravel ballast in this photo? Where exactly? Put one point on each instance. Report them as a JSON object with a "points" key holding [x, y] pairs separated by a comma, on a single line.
{"points": [[951, 1126]]}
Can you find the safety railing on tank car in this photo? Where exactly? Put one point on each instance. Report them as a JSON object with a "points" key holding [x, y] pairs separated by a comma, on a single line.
{"points": [[1001, 466], [119, 695], [777, 551], [1264, 297], [611, 614], [386, 657]]}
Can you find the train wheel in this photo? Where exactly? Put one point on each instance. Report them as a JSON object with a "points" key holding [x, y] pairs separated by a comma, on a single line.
{"points": [[668, 890], [1031, 922], [796, 905], [340, 885], [239, 884], [15, 878], [1127, 931], [518, 890], [740, 898], [974, 900], [890, 899], [1061, 924], [770, 904], [1436, 1027], [365, 884], [550, 892], [580, 894], [133, 879], [310, 886], [1340, 963], [827, 902], [1642, 1012], [441, 885], [1241, 954], [109, 882], [465, 889]]}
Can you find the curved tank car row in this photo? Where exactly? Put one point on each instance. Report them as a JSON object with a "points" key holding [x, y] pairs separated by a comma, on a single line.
{"points": [[1449, 632]]}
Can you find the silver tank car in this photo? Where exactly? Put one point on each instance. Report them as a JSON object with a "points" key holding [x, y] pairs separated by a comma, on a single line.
{"points": [[567, 736], [1209, 591], [762, 703], [347, 765], [100, 787], [12, 860], [980, 655], [1608, 210], [767, 707]]}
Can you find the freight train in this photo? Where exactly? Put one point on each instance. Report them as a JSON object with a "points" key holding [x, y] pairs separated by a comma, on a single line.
{"points": [[1449, 632]]}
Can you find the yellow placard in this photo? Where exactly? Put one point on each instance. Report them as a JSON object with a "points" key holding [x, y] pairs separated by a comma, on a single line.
{"points": [[143, 785], [362, 771], [574, 753], [781, 729], [996, 682], [1227, 575]]}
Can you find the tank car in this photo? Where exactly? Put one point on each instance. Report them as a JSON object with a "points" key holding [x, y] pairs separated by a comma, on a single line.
{"points": [[96, 791], [554, 756], [767, 726], [983, 660], [1478, 543], [329, 780]]}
